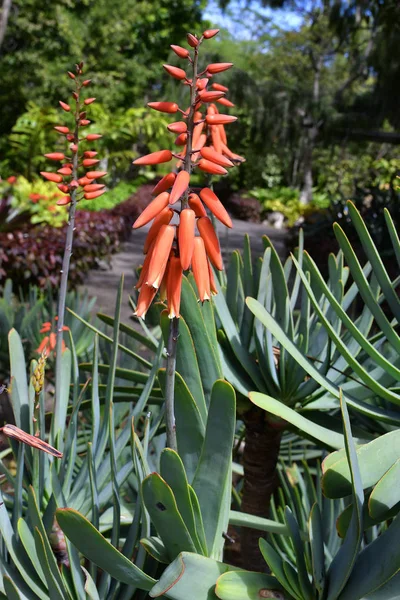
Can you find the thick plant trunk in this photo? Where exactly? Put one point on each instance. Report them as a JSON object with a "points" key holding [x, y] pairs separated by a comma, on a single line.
{"points": [[261, 450]]}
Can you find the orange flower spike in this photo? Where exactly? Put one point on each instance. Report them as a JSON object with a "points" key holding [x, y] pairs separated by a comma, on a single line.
{"points": [[164, 184], [197, 206], [175, 72], [210, 167], [180, 186], [215, 205], [219, 159], [186, 236], [174, 287], [163, 218], [160, 255], [146, 297], [155, 158], [211, 242], [152, 210], [179, 51], [200, 269], [165, 107]]}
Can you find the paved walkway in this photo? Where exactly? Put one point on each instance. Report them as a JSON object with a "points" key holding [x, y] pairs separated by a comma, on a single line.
{"points": [[103, 283]]}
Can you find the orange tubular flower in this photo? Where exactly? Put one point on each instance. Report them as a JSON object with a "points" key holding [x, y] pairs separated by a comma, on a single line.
{"points": [[171, 246], [174, 286], [216, 207], [152, 210], [211, 242], [180, 186], [155, 158], [160, 255], [186, 236], [200, 269], [163, 218]]}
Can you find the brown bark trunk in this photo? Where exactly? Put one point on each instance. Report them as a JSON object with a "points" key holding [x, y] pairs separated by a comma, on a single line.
{"points": [[261, 450]]}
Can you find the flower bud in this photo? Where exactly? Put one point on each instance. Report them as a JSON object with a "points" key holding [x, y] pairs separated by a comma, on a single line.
{"points": [[209, 33], [73, 148], [155, 158], [152, 210], [64, 106], [197, 206], [74, 183], [89, 162], [11, 180], [84, 181], [211, 242], [70, 137], [93, 187], [64, 201], [166, 107], [90, 153], [89, 101], [91, 137], [65, 171], [181, 139], [86, 82], [61, 129], [95, 174], [70, 75], [220, 119], [214, 204], [160, 255], [179, 51], [51, 177], [164, 184], [180, 186], [216, 157], [209, 167], [177, 127], [63, 188], [202, 83], [187, 222], [175, 72], [146, 296], [210, 96], [174, 287], [192, 40], [218, 67], [200, 269], [219, 87], [225, 102], [163, 218], [55, 156], [84, 122], [75, 96], [92, 195]]}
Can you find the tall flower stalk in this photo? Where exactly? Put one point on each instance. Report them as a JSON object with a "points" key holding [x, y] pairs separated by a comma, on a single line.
{"points": [[76, 179], [182, 235]]}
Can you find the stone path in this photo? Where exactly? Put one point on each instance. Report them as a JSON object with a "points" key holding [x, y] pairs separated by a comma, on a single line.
{"points": [[103, 283]]}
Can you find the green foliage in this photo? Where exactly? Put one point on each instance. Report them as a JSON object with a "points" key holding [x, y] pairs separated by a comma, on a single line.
{"points": [[38, 199]]}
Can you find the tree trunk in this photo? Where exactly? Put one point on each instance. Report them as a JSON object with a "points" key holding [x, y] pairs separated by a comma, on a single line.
{"points": [[261, 450], [5, 11]]}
